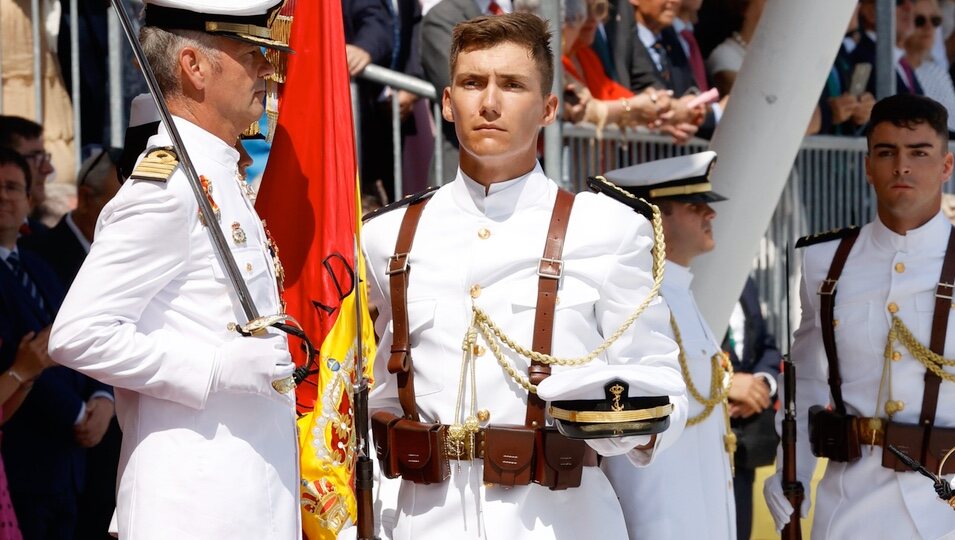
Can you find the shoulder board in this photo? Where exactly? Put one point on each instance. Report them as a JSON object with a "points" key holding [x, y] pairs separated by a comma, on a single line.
{"points": [[828, 236], [158, 165], [408, 199], [599, 184]]}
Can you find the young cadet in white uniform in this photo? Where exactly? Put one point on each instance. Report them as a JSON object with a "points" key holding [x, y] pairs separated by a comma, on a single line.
{"points": [[479, 242], [209, 446], [892, 272], [694, 475]]}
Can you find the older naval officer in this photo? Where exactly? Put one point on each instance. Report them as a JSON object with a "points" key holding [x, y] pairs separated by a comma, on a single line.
{"points": [[477, 249], [209, 447]]}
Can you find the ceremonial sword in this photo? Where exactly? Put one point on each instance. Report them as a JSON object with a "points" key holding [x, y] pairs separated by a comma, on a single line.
{"points": [[256, 324]]}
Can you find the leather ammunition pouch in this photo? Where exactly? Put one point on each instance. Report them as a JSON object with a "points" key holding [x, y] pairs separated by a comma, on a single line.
{"points": [[508, 455], [909, 438], [412, 450], [833, 435], [382, 423], [560, 461]]}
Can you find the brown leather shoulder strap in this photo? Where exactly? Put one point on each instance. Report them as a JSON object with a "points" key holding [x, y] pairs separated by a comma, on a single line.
{"points": [[399, 362], [827, 304], [943, 306], [549, 269]]}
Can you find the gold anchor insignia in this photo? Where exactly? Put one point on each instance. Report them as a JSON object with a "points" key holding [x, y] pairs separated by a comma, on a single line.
{"points": [[616, 390], [238, 235]]}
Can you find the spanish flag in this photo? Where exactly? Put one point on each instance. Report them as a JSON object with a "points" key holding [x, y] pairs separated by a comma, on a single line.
{"points": [[310, 201]]}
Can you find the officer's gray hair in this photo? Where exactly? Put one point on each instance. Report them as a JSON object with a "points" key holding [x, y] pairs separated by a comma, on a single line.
{"points": [[162, 51]]}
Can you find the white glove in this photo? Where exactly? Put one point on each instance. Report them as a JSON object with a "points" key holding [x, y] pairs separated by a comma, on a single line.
{"points": [[616, 447], [779, 505], [250, 364]]}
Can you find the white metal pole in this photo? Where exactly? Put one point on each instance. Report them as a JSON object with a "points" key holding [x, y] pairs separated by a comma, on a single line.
{"points": [[35, 16], [75, 79], [116, 123], [552, 136], [758, 137]]}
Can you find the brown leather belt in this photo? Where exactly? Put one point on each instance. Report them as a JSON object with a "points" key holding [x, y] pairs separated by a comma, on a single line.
{"points": [[871, 430], [590, 455]]}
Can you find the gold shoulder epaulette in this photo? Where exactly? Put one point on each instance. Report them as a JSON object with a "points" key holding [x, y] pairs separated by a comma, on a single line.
{"points": [[828, 236], [158, 165], [400, 203]]}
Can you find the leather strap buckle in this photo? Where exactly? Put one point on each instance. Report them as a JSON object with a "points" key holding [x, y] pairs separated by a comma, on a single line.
{"points": [[944, 287], [550, 268], [827, 287], [397, 264]]}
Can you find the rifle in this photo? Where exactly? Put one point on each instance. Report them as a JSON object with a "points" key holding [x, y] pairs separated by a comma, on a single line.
{"points": [[256, 324], [942, 486], [364, 466], [792, 487]]}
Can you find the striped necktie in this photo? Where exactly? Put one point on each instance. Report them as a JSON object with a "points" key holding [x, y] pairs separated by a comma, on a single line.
{"points": [[24, 279]]}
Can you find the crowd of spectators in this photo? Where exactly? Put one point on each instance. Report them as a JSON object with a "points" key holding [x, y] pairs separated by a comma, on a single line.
{"points": [[634, 63]]}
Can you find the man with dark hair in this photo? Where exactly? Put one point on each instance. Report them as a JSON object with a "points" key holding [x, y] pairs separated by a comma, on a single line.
{"points": [[26, 138], [477, 259], [63, 412], [871, 348], [208, 416]]}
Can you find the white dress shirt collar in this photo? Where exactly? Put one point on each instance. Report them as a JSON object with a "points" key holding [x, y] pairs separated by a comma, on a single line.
{"points": [[200, 140], [5, 252], [924, 239], [502, 198], [649, 39], [677, 275]]}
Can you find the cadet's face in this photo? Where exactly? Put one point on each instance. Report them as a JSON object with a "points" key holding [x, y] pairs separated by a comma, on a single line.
{"points": [[688, 229], [14, 202], [907, 167], [496, 104], [239, 88]]}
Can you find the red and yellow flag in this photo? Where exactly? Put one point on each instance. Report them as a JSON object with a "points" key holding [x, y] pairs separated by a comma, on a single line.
{"points": [[310, 200]]}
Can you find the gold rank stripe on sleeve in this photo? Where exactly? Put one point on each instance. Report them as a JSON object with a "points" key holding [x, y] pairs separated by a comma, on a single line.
{"points": [[159, 164]]}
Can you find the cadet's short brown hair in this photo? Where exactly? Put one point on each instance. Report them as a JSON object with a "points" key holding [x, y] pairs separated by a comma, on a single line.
{"points": [[524, 29]]}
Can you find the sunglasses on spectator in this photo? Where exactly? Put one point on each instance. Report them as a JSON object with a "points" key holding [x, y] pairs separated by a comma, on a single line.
{"points": [[920, 20]]}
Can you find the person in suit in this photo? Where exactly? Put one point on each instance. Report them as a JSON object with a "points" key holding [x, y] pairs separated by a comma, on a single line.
{"points": [[905, 80], [64, 248], [755, 357], [656, 58], [370, 39], [26, 138], [65, 412]]}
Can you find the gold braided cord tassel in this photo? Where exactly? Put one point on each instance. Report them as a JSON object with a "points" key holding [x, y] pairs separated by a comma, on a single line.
{"points": [[932, 362], [493, 334], [718, 390]]}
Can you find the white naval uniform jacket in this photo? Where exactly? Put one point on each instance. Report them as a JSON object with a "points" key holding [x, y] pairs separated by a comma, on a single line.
{"points": [[693, 477], [146, 314], [607, 273], [863, 499]]}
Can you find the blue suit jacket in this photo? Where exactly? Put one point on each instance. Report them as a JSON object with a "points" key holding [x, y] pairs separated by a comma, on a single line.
{"points": [[39, 452]]}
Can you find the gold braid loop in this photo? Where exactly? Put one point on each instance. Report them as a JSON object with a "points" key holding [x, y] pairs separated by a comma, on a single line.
{"points": [[718, 390], [494, 335], [932, 362]]}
